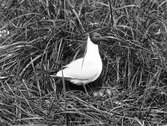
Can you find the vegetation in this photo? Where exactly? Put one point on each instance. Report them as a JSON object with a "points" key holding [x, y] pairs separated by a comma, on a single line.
{"points": [[36, 39]]}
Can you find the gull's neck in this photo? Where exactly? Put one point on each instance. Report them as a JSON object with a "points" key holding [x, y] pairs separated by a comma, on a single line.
{"points": [[92, 49]]}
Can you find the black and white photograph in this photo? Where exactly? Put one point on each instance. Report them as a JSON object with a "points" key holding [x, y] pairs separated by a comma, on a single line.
{"points": [[83, 62]]}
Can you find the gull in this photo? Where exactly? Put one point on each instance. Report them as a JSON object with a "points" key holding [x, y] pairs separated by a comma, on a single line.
{"points": [[84, 70]]}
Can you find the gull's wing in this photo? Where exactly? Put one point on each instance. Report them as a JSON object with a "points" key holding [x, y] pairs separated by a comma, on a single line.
{"points": [[81, 71]]}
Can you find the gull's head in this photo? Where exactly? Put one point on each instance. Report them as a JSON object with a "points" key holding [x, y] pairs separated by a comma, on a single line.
{"points": [[94, 37]]}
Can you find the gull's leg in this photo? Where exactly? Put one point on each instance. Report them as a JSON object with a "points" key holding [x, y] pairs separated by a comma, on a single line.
{"points": [[85, 90]]}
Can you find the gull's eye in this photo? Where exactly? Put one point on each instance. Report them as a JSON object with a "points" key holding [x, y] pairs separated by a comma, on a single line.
{"points": [[96, 35]]}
